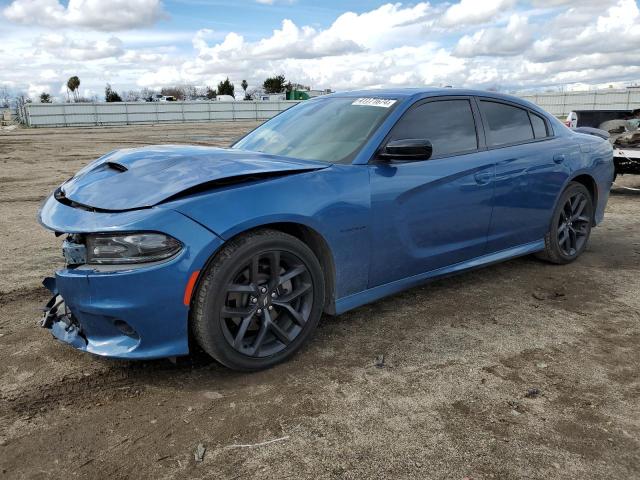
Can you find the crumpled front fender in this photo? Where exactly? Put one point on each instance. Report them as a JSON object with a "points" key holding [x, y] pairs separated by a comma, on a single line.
{"points": [[127, 311]]}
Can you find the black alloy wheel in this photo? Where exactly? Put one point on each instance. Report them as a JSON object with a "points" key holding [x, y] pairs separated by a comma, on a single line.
{"points": [[570, 225], [574, 224], [258, 301], [267, 303]]}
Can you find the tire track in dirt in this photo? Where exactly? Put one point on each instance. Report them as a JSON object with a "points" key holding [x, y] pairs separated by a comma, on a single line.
{"points": [[98, 386], [107, 381]]}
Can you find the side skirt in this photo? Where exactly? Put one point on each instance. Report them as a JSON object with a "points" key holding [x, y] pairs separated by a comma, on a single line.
{"points": [[355, 300]]}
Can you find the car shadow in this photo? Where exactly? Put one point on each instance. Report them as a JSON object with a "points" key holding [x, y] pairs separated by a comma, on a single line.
{"points": [[198, 366], [342, 344]]}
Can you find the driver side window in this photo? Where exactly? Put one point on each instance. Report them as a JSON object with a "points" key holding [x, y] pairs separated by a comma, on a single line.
{"points": [[447, 124]]}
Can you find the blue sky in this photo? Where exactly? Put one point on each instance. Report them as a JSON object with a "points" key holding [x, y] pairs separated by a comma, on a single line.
{"points": [[510, 45], [255, 19]]}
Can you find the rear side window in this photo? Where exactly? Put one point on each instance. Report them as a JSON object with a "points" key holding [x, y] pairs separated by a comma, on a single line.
{"points": [[447, 124], [539, 126], [506, 124]]}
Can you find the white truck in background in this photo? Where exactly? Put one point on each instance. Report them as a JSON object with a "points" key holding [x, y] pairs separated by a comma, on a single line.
{"points": [[623, 129]]}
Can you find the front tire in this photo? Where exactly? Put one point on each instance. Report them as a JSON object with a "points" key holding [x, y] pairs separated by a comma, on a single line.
{"points": [[570, 225], [259, 300]]}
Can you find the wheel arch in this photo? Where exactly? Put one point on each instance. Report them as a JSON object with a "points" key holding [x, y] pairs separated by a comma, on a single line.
{"points": [[320, 247], [590, 184], [307, 235]]}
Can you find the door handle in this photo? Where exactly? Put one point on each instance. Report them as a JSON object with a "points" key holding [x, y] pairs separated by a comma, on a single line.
{"points": [[482, 178], [559, 157]]}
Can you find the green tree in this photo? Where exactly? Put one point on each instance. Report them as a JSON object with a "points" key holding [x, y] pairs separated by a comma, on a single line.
{"points": [[45, 97], [244, 86], [226, 88], [110, 95], [277, 84], [72, 86], [210, 93]]}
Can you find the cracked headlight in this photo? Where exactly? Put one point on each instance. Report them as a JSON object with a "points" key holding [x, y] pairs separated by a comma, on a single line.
{"points": [[126, 248]]}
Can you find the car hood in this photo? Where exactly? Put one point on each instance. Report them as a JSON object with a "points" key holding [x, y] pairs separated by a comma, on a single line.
{"points": [[143, 177]]}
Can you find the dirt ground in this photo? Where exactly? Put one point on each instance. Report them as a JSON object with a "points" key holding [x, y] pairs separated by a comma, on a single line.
{"points": [[520, 370]]}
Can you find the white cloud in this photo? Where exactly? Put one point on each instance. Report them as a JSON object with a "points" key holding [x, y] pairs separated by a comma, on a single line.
{"points": [[305, 42], [613, 30], [34, 89], [48, 74], [387, 26], [161, 77], [95, 14], [468, 44], [66, 48], [470, 12], [623, 15], [510, 40]]}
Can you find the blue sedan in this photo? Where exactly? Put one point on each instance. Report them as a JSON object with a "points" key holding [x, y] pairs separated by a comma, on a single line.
{"points": [[334, 203]]}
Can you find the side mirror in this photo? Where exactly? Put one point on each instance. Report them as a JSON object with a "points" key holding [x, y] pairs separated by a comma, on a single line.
{"points": [[407, 149]]}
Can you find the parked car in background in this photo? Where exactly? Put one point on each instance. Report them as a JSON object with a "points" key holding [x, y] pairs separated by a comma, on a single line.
{"points": [[623, 128], [273, 97], [162, 98], [334, 203]]}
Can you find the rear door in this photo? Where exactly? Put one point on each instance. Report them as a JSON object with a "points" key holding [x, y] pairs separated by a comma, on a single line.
{"points": [[531, 168], [432, 213]]}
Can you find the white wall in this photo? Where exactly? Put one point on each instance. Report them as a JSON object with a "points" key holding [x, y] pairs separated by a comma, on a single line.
{"points": [[127, 113], [560, 104]]}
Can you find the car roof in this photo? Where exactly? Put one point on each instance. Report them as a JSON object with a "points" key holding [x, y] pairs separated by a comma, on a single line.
{"points": [[404, 93], [423, 91]]}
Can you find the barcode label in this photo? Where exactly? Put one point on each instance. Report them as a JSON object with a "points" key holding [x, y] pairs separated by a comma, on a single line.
{"points": [[374, 102]]}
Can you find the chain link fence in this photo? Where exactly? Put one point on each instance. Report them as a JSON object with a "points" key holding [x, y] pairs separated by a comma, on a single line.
{"points": [[130, 113], [561, 103]]}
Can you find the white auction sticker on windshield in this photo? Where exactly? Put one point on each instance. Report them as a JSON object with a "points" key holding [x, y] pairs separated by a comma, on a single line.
{"points": [[374, 102]]}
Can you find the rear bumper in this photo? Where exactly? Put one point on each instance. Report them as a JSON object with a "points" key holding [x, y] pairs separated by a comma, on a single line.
{"points": [[603, 171], [135, 312], [603, 198]]}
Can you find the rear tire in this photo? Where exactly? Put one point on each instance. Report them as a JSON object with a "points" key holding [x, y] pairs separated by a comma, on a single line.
{"points": [[570, 226], [258, 301]]}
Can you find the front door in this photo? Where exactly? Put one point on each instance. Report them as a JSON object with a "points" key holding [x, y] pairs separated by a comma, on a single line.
{"points": [[433, 213]]}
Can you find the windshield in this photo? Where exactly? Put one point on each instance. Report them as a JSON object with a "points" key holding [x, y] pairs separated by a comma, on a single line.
{"points": [[326, 129]]}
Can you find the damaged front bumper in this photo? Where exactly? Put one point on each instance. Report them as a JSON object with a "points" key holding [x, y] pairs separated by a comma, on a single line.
{"points": [[59, 319], [125, 311], [99, 331]]}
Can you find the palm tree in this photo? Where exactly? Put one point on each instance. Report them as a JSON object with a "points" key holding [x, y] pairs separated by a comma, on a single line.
{"points": [[72, 85]]}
